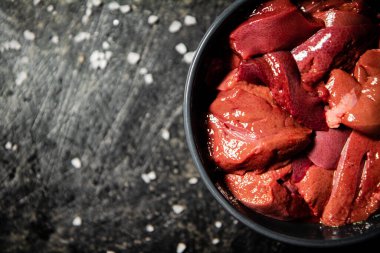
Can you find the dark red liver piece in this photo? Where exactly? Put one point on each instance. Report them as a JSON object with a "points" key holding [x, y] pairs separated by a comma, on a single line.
{"points": [[264, 194], [327, 147], [248, 132], [277, 25], [356, 175], [331, 47]]}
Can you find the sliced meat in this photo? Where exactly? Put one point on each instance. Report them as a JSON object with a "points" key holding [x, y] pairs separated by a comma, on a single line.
{"points": [[332, 47], [328, 146], [311, 6], [249, 132], [315, 188], [333, 18], [367, 65], [276, 25], [264, 194], [346, 180]]}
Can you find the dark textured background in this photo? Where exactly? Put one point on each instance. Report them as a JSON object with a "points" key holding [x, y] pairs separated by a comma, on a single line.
{"points": [[54, 107]]}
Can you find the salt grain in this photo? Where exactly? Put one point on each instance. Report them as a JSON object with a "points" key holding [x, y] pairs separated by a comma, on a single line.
{"points": [[181, 48], [133, 58], [82, 36], [35, 2], [50, 8], [77, 221], [218, 224], [125, 8], [165, 134], [175, 26], [96, 2], [113, 6], [76, 163], [14, 147], [99, 60], [193, 180], [190, 20], [149, 228], [105, 45], [110, 251], [55, 39], [215, 241], [143, 71], [21, 77], [188, 57], [28, 35], [148, 177], [148, 78], [8, 145], [177, 209], [181, 247], [115, 22], [152, 19]]}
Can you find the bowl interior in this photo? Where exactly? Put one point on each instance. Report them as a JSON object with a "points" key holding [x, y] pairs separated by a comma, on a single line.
{"points": [[198, 96]]}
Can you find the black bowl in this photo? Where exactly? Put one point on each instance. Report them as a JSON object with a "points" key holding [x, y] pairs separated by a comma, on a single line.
{"points": [[198, 96]]}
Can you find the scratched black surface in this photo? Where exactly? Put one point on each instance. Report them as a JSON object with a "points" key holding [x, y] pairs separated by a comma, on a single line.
{"points": [[113, 121]]}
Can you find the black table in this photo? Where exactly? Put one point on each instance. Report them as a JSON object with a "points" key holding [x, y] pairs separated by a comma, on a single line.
{"points": [[93, 155]]}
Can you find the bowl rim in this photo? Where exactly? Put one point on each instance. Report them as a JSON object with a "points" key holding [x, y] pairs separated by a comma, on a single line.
{"points": [[321, 243]]}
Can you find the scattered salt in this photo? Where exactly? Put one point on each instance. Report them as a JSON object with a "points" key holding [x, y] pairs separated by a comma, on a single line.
{"points": [[188, 57], [215, 241], [149, 228], [175, 26], [125, 8], [115, 22], [165, 134], [143, 71], [50, 8], [193, 180], [77, 221], [113, 6], [152, 19], [148, 78], [178, 209], [21, 77], [133, 58], [181, 48], [99, 60], [12, 44], [181, 247], [14, 147], [190, 20], [28, 35], [55, 39], [82, 36], [8, 145], [35, 2], [218, 224], [76, 163]]}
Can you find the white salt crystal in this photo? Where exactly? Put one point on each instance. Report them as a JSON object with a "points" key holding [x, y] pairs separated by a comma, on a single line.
{"points": [[55, 39], [35, 2], [28, 35], [8, 145], [152, 19], [113, 6], [96, 2], [82, 36], [181, 48], [143, 71], [99, 60], [218, 224], [188, 57], [175, 26], [105, 45], [77, 221], [190, 20], [149, 228], [125, 8], [12, 44], [181, 247], [215, 241], [21, 77], [133, 58], [165, 134], [76, 163], [148, 78], [50, 8], [115, 22], [178, 209], [193, 180]]}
